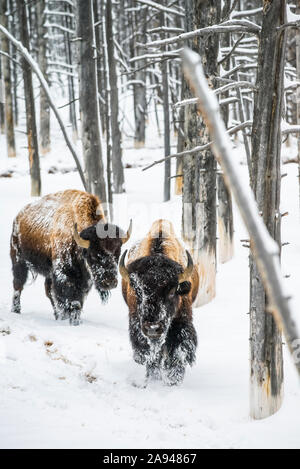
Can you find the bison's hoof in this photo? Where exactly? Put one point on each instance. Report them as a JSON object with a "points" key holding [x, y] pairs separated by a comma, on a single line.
{"points": [[153, 373], [75, 314], [139, 358], [174, 375], [75, 322]]}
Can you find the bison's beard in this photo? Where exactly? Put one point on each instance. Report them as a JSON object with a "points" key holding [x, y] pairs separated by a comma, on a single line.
{"points": [[104, 295]]}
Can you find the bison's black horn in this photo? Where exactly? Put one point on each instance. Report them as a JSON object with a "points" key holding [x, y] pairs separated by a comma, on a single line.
{"points": [[188, 270], [128, 234], [123, 270]]}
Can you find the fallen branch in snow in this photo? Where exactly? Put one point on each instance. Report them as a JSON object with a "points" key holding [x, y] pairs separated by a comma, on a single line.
{"points": [[24, 52], [199, 148], [264, 248]]}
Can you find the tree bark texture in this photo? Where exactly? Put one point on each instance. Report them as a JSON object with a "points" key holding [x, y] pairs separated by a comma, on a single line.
{"points": [[34, 160], [71, 85], [117, 165], [139, 88], [298, 89], [6, 67], [225, 221], [199, 171], [2, 103], [166, 107], [42, 61], [266, 388], [89, 104], [224, 211]]}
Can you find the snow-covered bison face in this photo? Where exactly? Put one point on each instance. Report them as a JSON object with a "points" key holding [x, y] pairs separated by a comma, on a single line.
{"points": [[102, 248], [157, 283]]}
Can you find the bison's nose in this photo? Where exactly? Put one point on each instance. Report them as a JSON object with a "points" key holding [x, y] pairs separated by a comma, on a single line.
{"points": [[152, 329], [110, 284]]}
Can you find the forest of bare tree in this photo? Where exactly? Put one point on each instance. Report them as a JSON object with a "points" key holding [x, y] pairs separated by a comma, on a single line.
{"points": [[192, 105]]}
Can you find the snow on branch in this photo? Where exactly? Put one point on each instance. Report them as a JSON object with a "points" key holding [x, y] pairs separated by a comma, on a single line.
{"points": [[290, 129], [199, 148], [240, 14], [33, 64], [157, 6], [217, 91], [264, 248], [162, 55], [165, 29], [231, 26], [60, 27], [226, 73], [59, 13], [293, 24]]}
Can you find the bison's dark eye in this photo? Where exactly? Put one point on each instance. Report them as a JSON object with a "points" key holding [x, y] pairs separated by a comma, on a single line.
{"points": [[184, 288]]}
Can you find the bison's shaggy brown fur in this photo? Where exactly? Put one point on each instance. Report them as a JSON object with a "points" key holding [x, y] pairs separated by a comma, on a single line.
{"points": [[43, 241], [159, 292]]}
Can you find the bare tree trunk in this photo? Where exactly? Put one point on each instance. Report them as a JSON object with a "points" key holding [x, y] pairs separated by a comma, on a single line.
{"points": [[9, 112], [180, 147], [107, 94], [117, 165], [42, 61], [34, 161], [71, 85], [298, 89], [266, 389], [89, 104], [199, 171], [225, 215], [14, 64], [225, 221], [139, 89], [166, 106], [99, 21], [2, 103]]}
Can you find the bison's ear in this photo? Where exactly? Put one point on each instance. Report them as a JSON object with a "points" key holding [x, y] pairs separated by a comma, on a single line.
{"points": [[82, 241], [89, 233], [184, 288]]}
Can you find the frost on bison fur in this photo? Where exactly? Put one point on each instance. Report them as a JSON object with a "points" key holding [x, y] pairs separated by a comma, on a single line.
{"points": [[159, 286], [65, 237]]}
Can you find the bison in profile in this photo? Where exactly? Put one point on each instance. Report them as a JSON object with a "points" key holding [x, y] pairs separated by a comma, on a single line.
{"points": [[159, 286], [65, 237]]}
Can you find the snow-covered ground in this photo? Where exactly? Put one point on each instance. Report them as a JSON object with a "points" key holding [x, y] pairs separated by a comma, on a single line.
{"points": [[63, 386]]}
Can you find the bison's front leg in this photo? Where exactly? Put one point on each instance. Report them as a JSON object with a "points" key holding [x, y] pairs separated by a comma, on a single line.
{"points": [[139, 344], [68, 292], [143, 352], [180, 350]]}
